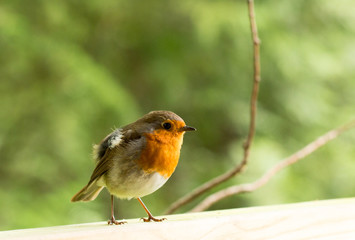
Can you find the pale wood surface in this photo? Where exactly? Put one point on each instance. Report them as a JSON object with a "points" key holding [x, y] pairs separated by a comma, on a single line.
{"points": [[330, 219]]}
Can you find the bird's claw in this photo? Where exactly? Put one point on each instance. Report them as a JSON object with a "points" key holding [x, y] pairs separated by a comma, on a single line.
{"points": [[151, 218], [113, 221]]}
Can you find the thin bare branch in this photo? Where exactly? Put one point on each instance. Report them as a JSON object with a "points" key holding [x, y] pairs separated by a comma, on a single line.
{"points": [[249, 187], [254, 96]]}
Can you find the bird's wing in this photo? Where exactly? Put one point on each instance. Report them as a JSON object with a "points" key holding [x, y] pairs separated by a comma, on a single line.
{"points": [[116, 141]]}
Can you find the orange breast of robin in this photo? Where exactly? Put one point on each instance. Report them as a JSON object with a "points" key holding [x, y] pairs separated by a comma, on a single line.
{"points": [[162, 152]]}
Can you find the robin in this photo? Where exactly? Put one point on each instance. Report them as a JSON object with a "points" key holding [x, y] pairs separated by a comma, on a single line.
{"points": [[136, 160]]}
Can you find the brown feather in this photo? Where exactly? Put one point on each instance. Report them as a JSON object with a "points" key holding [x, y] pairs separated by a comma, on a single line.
{"points": [[104, 163], [87, 193]]}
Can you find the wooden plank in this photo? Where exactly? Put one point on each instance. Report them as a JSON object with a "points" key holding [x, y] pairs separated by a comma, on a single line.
{"points": [[329, 219]]}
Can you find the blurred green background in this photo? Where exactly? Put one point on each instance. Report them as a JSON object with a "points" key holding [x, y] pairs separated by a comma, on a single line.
{"points": [[70, 71]]}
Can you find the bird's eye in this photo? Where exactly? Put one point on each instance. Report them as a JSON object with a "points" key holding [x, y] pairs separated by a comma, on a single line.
{"points": [[167, 125]]}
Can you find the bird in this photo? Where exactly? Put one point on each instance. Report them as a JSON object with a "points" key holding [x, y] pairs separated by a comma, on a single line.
{"points": [[137, 159]]}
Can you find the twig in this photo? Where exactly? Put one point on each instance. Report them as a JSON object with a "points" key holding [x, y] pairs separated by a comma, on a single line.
{"points": [[249, 187], [238, 168]]}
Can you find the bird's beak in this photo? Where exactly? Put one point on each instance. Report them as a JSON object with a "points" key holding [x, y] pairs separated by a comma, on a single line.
{"points": [[186, 129]]}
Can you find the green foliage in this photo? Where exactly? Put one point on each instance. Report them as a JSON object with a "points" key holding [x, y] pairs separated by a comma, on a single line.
{"points": [[70, 71]]}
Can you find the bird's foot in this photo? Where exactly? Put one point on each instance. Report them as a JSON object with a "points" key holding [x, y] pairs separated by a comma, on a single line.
{"points": [[113, 221], [151, 218]]}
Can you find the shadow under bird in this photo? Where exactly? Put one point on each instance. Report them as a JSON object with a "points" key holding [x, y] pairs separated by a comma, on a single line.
{"points": [[136, 160]]}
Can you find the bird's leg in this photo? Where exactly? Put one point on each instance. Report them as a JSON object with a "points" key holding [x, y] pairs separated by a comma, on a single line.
{"points": [[112, 220], [150, 216]]}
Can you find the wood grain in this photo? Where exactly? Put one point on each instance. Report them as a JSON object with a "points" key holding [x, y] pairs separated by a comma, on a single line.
{"points": [[328, 219]]}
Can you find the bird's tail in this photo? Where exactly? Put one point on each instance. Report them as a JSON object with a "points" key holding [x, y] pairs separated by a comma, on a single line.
{"points": [[88, 193]]}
